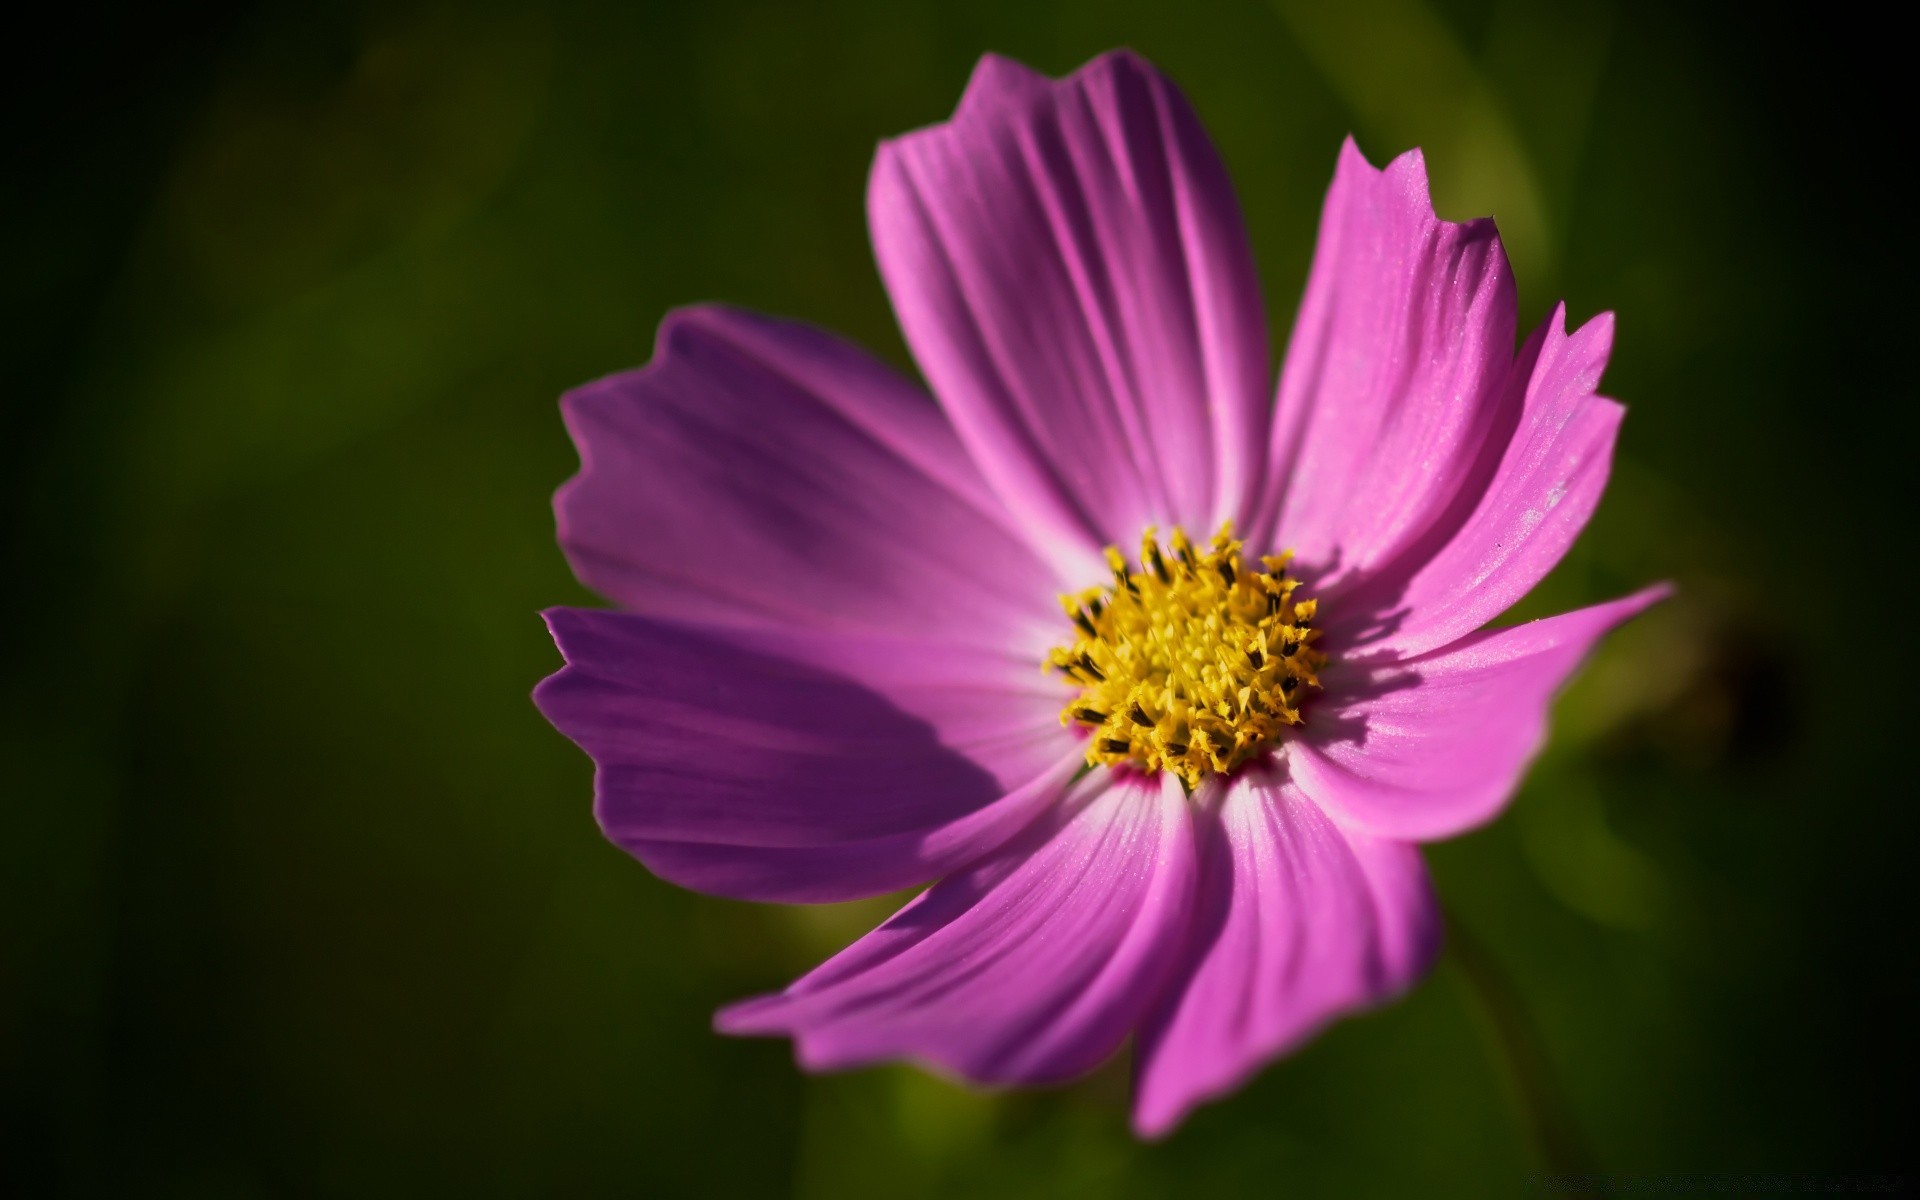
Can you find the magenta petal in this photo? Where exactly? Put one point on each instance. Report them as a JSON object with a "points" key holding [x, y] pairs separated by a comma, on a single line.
{"points": [[1000, 82], [1394, 377], [730, 769], [760, 472], [854, 869], [1030, 966], [1435, 745], [1296, 921], [1546, 484], [1070, 267]]}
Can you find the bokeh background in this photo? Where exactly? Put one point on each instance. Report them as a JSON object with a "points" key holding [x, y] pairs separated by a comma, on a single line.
{"points": [[301, 897]]}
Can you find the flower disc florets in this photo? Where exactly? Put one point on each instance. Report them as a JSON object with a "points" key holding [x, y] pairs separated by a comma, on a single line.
{"points": [[1193, 663]]}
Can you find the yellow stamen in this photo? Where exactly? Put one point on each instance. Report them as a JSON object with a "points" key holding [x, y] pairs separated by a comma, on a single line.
{"points": [[1192, 664]]}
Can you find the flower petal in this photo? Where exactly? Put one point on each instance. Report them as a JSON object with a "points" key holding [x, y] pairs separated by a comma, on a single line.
{"points": [[729, 766], [1435, 745], [763, 473], [1296, 922], [1070, 267], [1394, 378], [1029, 967], [1544, 484]]}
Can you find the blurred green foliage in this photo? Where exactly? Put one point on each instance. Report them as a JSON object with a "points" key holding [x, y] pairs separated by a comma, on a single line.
{"points": [[301, 897]]}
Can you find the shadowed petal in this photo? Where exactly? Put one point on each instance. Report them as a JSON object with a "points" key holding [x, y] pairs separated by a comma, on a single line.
{"points": [[1394, 379], [1435, 745], [730, 767], [1070, 267], [763, 473], [1028, 967], [1296, 921], [1545, 483]]}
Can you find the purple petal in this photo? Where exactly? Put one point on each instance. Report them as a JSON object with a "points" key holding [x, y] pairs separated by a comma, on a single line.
{"points": [[1545, 485], [763, 473], [999, 82], [1296, 922], [1070, 267], [1395, 376], [1029, 967], [1435, 745], [730, 767]]}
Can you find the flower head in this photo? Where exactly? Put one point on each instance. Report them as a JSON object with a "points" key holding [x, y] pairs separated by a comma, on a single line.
{"points": [[872, 641]]}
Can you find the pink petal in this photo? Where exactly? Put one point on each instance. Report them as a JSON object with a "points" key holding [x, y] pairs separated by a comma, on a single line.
{"points": [[740, 764], [1296, 922], [1435, 745], [1394, 377], [1546, 483], [1028, 967], [1070, 267], [763, 473]]}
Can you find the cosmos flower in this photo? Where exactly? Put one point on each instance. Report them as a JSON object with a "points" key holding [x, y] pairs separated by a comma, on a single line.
{"points": [[870, 640]]}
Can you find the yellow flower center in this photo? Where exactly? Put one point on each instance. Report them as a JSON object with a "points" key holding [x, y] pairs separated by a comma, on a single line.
{"points": [[1193, 663]]}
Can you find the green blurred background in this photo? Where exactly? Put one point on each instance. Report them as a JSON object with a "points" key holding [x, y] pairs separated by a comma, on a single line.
{"points": [[301, 896]]}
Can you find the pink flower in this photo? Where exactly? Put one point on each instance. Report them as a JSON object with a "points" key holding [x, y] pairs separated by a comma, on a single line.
{"points": [[1197, 824]]}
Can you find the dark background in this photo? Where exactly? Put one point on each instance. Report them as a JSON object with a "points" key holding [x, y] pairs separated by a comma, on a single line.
{"points": [[300, 895]]}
